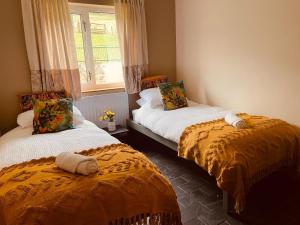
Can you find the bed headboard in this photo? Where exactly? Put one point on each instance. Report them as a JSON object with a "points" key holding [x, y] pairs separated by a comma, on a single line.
{"points": [[26, 99], [147, 82], [153, 81]]}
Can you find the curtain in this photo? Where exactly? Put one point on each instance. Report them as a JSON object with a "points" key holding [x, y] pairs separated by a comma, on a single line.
{"points": [[51, 46], [131, 24]]}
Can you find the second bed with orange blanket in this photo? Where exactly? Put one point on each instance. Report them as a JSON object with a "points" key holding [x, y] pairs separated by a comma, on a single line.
{"points": [[238, 158]]}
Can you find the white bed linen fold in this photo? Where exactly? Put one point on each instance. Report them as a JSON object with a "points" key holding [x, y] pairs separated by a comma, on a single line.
{"points": [[19, 145], [171, 124]]}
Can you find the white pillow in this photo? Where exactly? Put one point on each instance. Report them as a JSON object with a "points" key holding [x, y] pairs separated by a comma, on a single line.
{"points": [[25, 119], [141, 102], [152, 96], [191, 103], [78, 118]]}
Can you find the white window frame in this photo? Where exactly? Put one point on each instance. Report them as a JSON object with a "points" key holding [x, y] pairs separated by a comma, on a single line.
{"points": [[83, 10]]}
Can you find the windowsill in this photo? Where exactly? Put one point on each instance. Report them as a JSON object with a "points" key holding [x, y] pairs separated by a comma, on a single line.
{"points": [[102, 91]]}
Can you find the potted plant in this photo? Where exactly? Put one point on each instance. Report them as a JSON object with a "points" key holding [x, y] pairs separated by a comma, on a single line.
{"points": [[109, 116]]}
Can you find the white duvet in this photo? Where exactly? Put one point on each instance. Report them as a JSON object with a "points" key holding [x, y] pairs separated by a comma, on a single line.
{"points": [[171, 124], [19, 145]]}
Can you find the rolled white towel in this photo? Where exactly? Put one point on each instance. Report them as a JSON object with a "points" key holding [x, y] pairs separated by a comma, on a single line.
{"points": [[76, 163], [235, 121], [88, 167]]}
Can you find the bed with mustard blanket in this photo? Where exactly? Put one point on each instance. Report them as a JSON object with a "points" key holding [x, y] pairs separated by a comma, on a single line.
{"points": [[238, 158], [128, 189]]}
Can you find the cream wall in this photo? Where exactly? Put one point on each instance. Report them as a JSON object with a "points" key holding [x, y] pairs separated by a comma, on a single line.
{"points": [[14, 68], [242, 55], [160, 15]]}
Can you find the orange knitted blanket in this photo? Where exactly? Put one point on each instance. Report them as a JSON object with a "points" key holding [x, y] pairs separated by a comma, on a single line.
{"points": [[128, 189], [238, 158]]}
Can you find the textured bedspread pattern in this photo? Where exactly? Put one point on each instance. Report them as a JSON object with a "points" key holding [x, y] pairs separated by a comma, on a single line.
{"points": [[238, 158], [128, 189]]}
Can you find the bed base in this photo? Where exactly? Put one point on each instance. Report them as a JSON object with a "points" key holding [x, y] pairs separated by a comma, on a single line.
{"points": [[135, 126], [227, 203]]}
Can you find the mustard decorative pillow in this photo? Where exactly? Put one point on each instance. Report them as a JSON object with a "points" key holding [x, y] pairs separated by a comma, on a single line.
{"points": [[173, 95], [52, 115]]}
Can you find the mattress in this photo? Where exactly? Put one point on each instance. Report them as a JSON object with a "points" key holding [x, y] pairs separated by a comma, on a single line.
{"points": [[171, 124], [19, 145]]}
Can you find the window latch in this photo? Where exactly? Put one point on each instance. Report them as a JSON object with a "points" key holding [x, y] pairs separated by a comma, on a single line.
{"points": [[84, 26], [90, 76]]}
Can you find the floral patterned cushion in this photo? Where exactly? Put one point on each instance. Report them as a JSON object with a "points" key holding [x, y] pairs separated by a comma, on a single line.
{"points": [[26, 99], [52, 115], [173, 95], [153, 81]]}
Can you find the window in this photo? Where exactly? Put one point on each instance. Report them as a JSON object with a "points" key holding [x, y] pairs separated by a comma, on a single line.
{"points": [[97, 46]]}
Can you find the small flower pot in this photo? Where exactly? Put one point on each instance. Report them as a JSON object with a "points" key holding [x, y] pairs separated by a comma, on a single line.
{"points": [[111, 126]]}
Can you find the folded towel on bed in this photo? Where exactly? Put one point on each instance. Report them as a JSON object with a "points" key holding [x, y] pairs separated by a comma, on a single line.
{"points": [[235, 121], [76, 163]]}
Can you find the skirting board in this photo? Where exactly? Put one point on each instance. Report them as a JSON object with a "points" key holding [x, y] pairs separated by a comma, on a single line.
{"points": [[149, 133]]}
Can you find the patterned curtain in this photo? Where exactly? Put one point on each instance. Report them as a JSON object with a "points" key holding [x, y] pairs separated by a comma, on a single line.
{"points": [[51, 46], [131, 24]]}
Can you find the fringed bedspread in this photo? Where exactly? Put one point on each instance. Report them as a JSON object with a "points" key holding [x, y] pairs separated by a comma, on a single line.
{"points": [[128, 190], [238, 158]]}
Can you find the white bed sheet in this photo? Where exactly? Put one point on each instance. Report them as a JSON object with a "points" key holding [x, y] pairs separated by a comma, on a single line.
{"points": [[171, 124], [19, 145]]}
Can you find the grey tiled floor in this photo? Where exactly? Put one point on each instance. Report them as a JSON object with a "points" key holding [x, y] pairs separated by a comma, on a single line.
{"points": [[200, 201], [273, 202]]}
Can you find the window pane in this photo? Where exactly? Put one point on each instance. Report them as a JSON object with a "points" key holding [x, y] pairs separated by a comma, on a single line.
{"points": [[79, 47], [106, 50]]}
